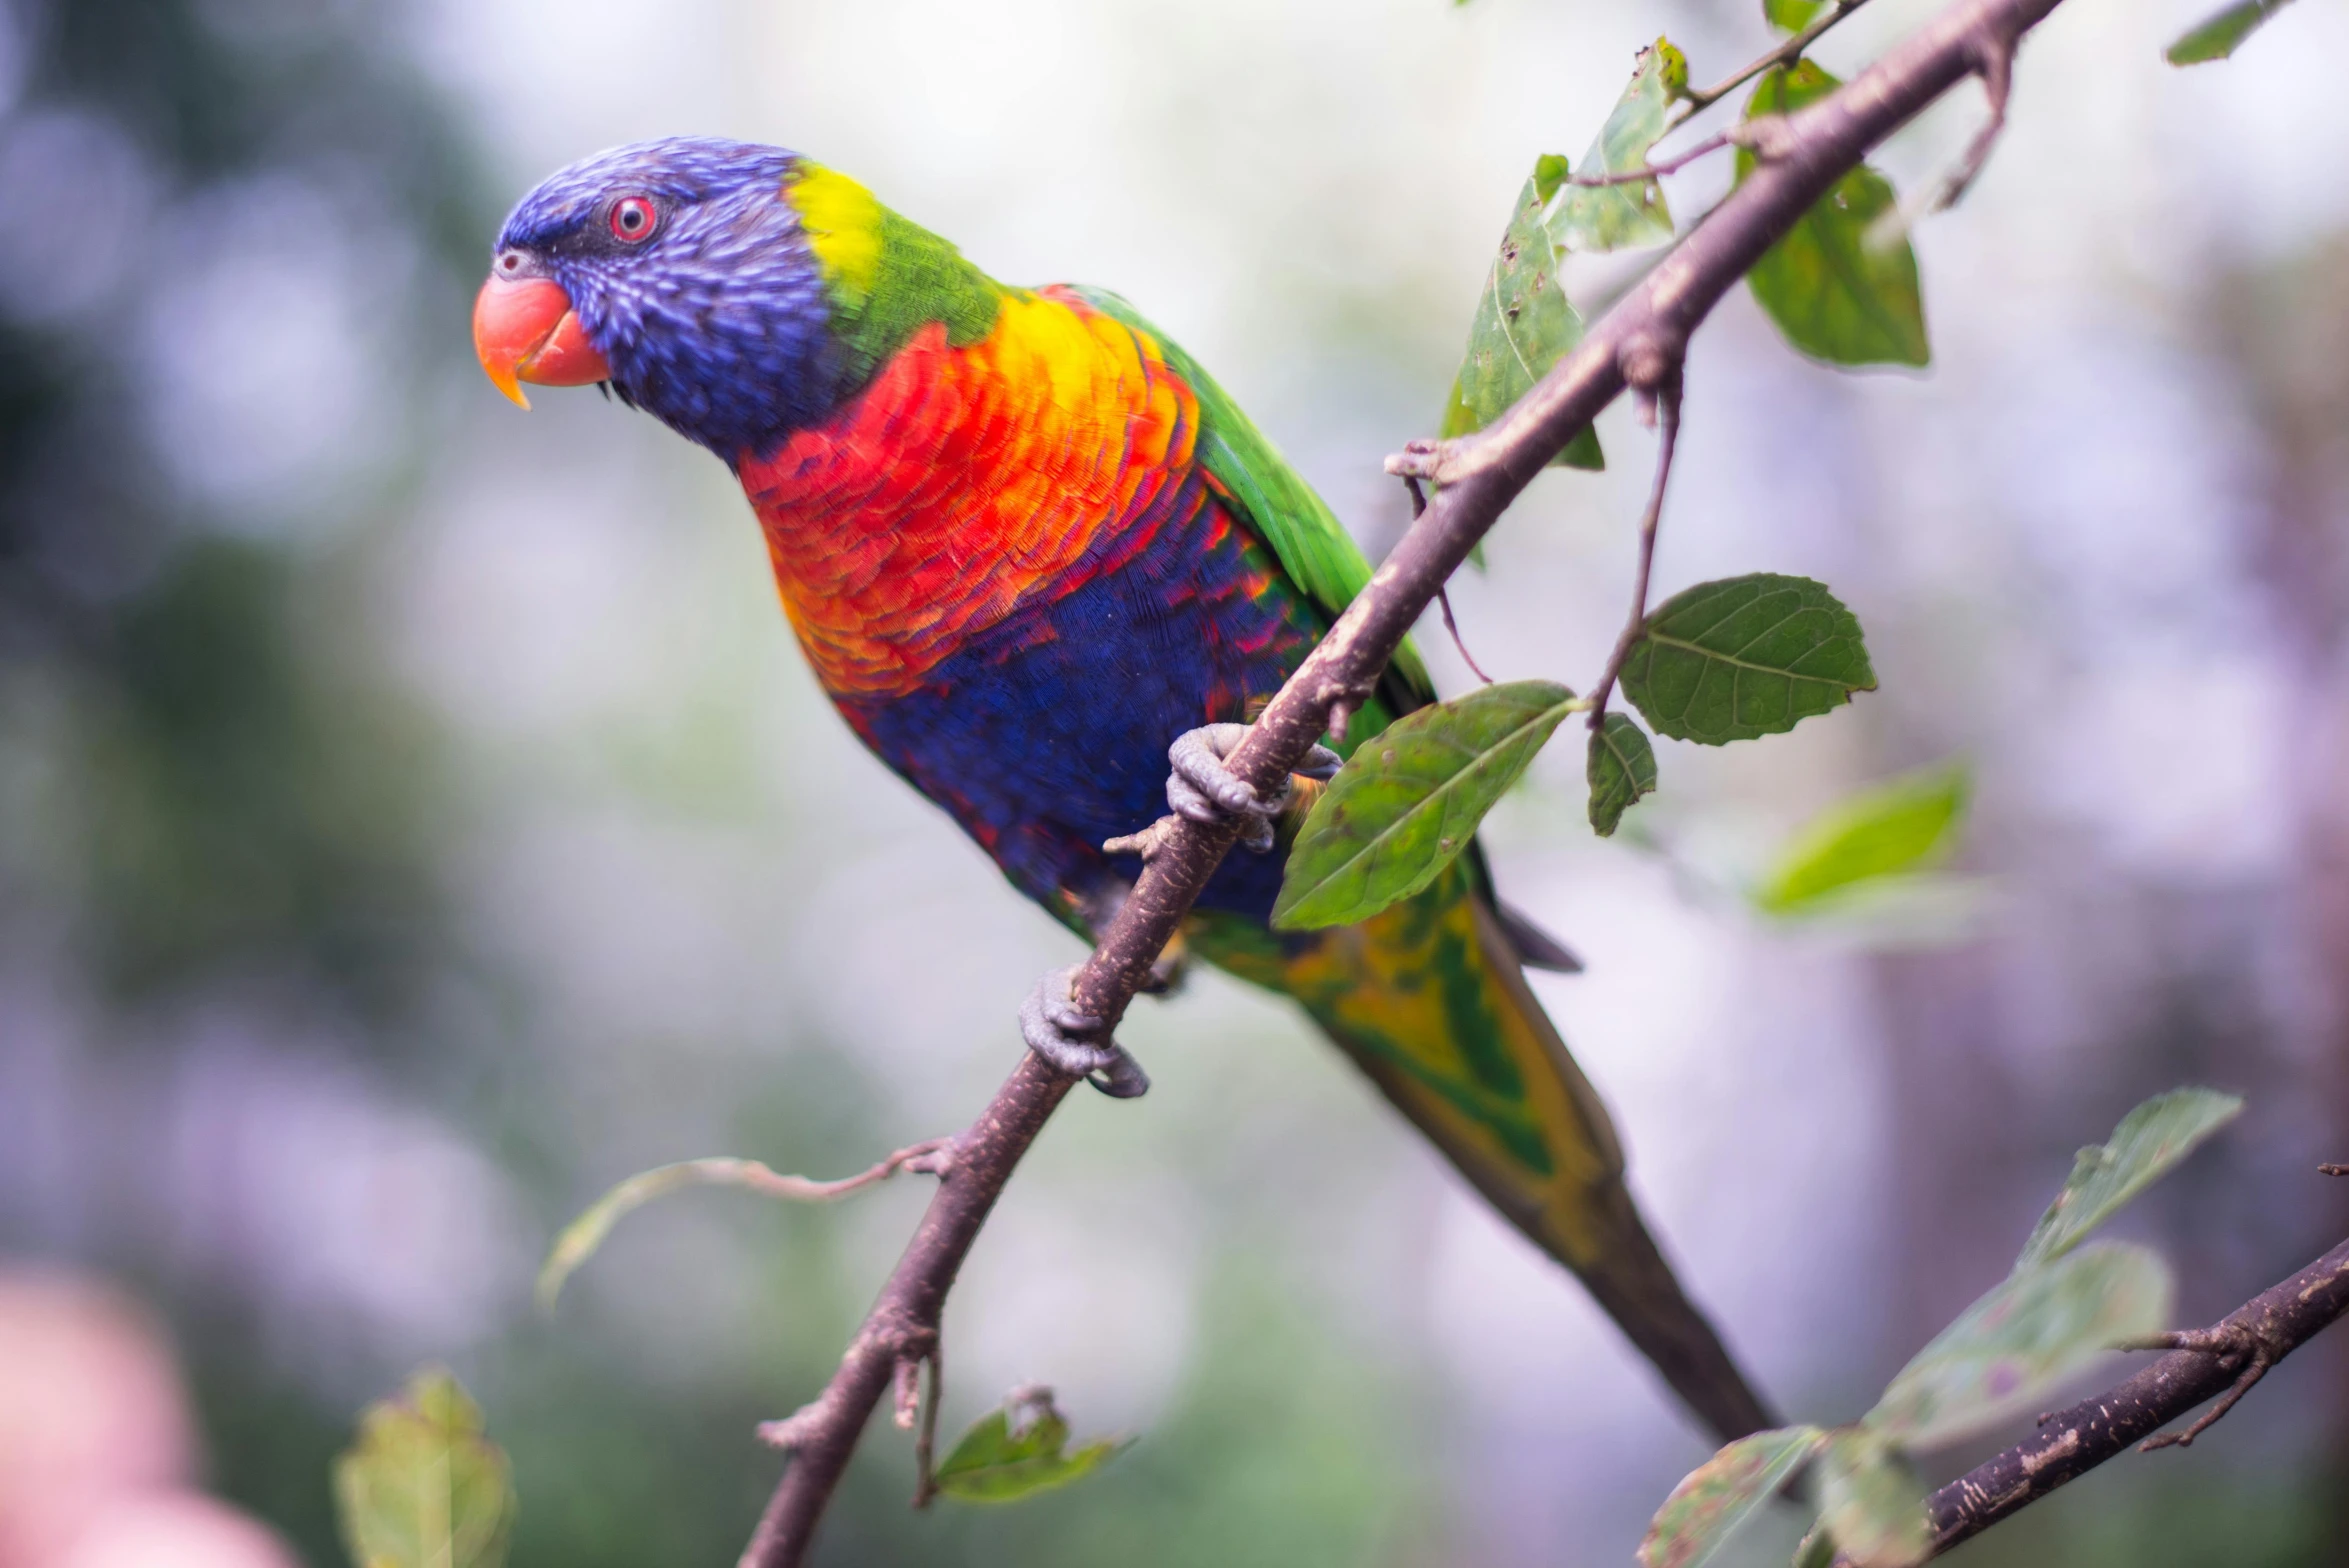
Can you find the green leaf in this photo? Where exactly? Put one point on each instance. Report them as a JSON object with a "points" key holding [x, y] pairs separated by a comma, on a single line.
{"points": [[1622, 768], [1743, 657], [1892, 830], [1817, 1549], [1871, 1503], [1523, 325], [1019, 1450], [1792, 16], [1611, 217], [1713, 1501], [1549, 172], [1839, 290], [1406, 803], [422, 1487], [2028, 1336], [2220, 36], [2150, 1141]]}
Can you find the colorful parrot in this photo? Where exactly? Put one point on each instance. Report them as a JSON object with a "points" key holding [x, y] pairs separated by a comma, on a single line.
{"points": [[1026, 542]]}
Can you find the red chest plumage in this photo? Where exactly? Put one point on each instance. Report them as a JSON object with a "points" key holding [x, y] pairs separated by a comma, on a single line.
{"points": [[967, 485]]}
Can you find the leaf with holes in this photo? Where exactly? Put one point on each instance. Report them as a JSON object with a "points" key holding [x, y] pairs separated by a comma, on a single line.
{"points": [[1612, 217], [423, 1487], [1744, 657], [1523, 325], [1713, 1501], [2217, 37], [1408, 802], [2150, 1141], [1894, 830], [2023, 1340], [1622, 768], [1019, 1450], [1871, 1503], [1842, 283]]}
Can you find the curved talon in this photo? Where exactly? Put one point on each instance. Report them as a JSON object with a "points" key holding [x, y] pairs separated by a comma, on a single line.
{"points": [[1204, 790], [1056, 1031]]}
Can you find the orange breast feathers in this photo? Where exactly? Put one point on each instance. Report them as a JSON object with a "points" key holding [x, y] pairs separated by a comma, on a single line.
{"points": [[965, 486]]}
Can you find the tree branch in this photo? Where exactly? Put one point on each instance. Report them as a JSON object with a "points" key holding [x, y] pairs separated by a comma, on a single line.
{"points": [[1479, 475], [2073, 1442]]}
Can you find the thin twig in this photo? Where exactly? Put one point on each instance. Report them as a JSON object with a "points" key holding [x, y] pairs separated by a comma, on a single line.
{"points": [[1478, 477], [1671, 165], [1997, 69], [1443, 597], [1667, 437], [1785, 53], [581, 1238], [1444, 603], [926, 1436], [929, 1157]]}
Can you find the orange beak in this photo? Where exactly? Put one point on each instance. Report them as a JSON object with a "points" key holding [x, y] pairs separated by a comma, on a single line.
{"points": [[525, 330]]}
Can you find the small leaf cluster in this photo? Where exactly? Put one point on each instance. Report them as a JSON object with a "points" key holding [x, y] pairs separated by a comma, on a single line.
{"points": [[1524, 323], [1020, 1449], [424, 1487], [2064, 1304], [1720, 662], [1723, 661]]}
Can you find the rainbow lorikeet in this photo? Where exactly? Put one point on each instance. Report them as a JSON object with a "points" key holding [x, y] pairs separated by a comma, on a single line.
{"points": [[1026, 542]]}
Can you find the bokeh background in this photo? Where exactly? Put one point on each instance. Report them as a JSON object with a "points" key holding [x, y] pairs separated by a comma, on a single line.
{"points": [[414, 815]]}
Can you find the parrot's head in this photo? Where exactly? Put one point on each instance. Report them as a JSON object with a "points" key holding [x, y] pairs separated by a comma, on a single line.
{"points": [[677, 273]]}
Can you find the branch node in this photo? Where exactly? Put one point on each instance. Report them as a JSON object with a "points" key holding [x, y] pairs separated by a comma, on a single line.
{"points": [[1149, 843], [1421, 459], [1650, 362], [795, 1430], [908, 1377], [1341, 699], [1769, 137], [2333, 1170], [2248, 1346]]}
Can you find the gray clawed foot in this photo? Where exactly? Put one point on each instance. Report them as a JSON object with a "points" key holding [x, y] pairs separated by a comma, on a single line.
{"points": [[1066, 1039], [1203, 789]]}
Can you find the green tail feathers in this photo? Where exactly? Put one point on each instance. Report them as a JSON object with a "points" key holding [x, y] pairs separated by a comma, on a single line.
{"points": [[1430, 1000]]}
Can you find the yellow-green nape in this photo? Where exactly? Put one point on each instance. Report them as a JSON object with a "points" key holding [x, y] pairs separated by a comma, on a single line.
{"points": [[843, 223], [887, 276]]}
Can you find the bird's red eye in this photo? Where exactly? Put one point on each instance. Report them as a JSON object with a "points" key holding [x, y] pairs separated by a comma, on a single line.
{"points": [[633, 219]]}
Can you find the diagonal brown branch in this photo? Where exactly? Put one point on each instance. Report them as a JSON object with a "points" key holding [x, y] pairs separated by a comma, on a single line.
{"points": [[1479, 475], [2073, 1442]]}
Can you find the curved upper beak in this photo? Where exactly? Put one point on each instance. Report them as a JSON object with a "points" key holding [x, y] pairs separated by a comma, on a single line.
{"points": [[525, 330]]}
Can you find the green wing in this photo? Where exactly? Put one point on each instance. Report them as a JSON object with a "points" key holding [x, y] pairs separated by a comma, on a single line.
{"points": [[1312, 546]]}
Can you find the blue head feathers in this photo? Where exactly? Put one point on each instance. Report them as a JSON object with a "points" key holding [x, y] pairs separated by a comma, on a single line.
{"points": [[714, 319]]}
